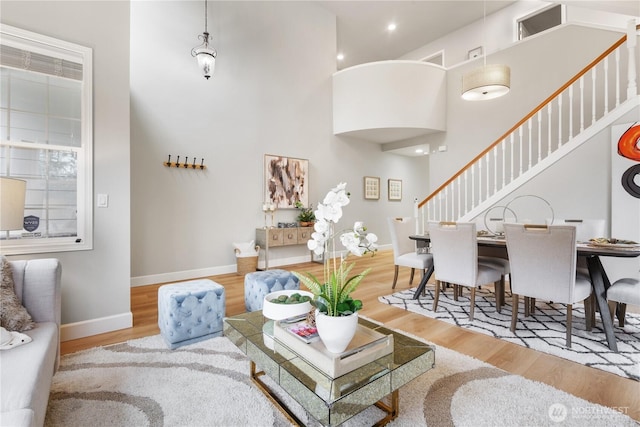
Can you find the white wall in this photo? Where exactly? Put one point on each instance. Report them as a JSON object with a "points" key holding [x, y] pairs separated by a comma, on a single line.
{"points": [[500, 30], [95, 284], [539, 66], [270, 94]]}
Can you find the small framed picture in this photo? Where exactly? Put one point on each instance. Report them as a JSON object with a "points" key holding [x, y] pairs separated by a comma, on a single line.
{"points": [[394, 189], [371, 188], [474, 53]]}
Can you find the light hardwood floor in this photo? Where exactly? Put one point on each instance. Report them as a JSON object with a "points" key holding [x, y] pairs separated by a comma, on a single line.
{"points": [[588, 383]]}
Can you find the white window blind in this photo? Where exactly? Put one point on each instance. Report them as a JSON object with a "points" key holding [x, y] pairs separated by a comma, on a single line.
{"points": [[46, 139]]}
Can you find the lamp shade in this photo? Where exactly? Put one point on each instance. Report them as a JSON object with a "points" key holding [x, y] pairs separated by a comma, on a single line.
{"points": [[486, 82], [12, 193], [206, 60]]}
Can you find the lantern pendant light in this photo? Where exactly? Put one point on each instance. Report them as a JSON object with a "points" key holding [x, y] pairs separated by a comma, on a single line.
{"points": [[205, 54]]}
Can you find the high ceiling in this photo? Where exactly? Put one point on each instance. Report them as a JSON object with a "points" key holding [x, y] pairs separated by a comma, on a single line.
{"points": [[362, 25], [363, 37]]}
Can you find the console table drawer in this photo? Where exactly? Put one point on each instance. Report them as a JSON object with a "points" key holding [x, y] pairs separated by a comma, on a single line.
{"points": [[290, 236], [304, 234]]}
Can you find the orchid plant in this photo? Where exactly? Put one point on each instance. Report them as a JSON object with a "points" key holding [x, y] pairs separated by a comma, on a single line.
{"points": [[332, 295]]}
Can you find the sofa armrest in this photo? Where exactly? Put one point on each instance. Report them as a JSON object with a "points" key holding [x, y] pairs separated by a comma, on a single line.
{"points": [[37, 283]]}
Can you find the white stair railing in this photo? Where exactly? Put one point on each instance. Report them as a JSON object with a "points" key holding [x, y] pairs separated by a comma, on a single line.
{"points": [[544, 133]]}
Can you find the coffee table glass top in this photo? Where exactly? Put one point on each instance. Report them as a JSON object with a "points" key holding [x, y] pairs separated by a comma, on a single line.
{"points": [[331, 401]]}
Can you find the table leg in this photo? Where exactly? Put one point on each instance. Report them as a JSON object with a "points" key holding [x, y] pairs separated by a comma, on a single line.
{"points": [[391, 410], [423, 283], [255, 377], [600, 283]]}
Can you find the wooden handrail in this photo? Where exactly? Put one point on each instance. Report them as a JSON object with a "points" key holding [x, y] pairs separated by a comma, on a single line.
{"points": [[527, 117]]}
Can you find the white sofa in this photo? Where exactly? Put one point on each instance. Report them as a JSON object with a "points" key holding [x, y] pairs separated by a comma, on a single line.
{"points": [[26, 371]]}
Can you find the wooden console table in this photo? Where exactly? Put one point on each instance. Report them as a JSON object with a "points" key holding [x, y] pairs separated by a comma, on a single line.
{"points": [[268, 238]]}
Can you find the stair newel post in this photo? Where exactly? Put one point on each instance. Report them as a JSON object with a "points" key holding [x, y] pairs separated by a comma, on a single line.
{"points": [[632, 88]]}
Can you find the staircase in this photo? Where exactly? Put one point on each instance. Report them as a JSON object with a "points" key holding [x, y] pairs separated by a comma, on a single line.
{"points": [[588, 103]]}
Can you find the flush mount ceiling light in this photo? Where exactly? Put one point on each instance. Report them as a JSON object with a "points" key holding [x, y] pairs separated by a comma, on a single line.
{"points": [[205, 54], [488, 81]]}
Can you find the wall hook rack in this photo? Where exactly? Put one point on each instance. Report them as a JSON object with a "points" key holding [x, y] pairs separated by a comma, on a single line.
{"points": [[185, 164]]}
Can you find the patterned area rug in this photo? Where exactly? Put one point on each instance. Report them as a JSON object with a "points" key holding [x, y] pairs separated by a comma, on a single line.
{"points": [[142, 383], [544, 331]]}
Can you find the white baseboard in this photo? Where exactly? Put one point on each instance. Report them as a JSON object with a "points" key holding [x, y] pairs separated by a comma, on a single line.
{"points": [[177, 276], [72, 331]]}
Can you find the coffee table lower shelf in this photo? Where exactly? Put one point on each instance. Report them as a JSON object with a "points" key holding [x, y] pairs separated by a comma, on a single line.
{"points": [[391, 410]]}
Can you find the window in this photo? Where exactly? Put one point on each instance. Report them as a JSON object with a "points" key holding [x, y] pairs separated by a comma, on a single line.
{"points": [[539, 21], [435, 58], [46, 139]]}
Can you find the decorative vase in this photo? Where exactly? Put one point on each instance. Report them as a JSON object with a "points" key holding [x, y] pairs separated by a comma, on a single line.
{"points": [[306, 223], [336, 332]]}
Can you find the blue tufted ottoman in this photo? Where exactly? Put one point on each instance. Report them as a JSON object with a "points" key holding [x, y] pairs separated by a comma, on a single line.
{"points": [[257, 285], [191, 311]]}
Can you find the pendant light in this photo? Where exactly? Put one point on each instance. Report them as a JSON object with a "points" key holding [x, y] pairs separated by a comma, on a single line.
{"points": [[205, 54], [488, 81]]}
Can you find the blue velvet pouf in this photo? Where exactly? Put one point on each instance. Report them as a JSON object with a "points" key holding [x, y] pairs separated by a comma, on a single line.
{"points": [[191, 311], [257, 285]]}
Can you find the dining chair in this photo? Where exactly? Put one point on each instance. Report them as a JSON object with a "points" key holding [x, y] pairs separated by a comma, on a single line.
{"points": [[543, 266], [585, 228], [404, 249], [455, 257], [622, 292]]}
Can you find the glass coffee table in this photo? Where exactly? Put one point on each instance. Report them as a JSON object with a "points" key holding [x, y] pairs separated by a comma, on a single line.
{"points": [[331, 401]]}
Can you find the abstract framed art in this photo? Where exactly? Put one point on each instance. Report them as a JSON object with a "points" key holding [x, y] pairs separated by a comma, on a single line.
{"points": [[286, 181], [394, 189], [371, 188]]}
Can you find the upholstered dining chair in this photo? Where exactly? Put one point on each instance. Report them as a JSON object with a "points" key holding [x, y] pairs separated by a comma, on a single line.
{"points": [[585, 228], [455, 257], [404, 249], [622, 292], [543, 266]]}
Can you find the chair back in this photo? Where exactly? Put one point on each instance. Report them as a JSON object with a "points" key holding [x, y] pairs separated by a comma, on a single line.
{"points": [[401, 229], [585, 228], [454, 247], [542, 260]]}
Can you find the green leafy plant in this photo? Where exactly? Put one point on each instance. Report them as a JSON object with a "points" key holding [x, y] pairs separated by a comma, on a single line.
{"points": [[306, 214], [333, 298]]}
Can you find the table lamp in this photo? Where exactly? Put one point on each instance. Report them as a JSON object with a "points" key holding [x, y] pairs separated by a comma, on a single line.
{"points": [[12, 194]]}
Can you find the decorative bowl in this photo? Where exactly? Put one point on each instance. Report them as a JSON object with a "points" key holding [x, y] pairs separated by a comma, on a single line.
{"points": [[275, 311]]}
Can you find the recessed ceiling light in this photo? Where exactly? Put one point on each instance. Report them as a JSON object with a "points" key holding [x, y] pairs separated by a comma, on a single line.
{"points": [[419, 150], [340, 56], [391, 27]]}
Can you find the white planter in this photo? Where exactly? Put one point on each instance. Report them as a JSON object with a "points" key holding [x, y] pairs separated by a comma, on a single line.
{"points": [[336, 332]]}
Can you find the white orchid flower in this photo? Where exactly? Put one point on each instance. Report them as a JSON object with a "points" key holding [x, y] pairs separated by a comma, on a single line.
{"points": [[372, 239], [331, 213]]}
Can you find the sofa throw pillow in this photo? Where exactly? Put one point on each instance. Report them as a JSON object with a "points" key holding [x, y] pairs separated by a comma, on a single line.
{"points": [[13, 316]]}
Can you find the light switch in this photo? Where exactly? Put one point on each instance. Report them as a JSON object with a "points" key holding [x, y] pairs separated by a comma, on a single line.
{"points": [[103, 200]]}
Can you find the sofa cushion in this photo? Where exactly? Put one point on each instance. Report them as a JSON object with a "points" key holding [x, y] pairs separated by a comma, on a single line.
{"points": [[26, 384], [13, 317]]}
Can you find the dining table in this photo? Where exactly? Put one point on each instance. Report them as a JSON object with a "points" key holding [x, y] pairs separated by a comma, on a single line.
{"points": [[591, 252]]}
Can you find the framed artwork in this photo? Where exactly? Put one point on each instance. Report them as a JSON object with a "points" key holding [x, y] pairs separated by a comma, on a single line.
{"points": [[371, 188], [474, 53], [394, 188], [286, 181]]}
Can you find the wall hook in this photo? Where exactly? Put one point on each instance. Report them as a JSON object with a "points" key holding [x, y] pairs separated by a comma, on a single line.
{"points": [[186, 164]]}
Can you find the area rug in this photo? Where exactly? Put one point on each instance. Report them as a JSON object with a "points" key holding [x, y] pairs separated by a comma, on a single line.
{"points": [[544, 331], [142, 383]]}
